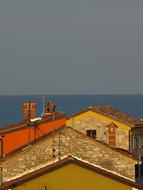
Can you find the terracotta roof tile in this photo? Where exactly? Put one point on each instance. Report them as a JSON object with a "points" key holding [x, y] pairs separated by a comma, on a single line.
{"points": [[22, 124], [116, 114], [113, 113]]}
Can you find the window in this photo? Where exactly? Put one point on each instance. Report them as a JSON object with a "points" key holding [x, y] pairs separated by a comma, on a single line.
{"points": [[91, 133]]}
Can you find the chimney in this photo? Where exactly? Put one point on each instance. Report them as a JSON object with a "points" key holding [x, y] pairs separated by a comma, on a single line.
{"points": [[112, 134], [49, 108], [29, 110]]}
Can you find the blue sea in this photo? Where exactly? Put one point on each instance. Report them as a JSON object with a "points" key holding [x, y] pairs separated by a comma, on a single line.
{"points": [[11, 106]]}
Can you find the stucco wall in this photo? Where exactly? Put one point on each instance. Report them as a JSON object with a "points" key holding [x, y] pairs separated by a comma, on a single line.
{"points": [[71, 142], [73, 177]]}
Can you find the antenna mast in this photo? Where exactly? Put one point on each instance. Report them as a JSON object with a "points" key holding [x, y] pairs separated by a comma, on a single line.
{"points": [[59, 153], [29, 112], [53, 115], [29, 124], [43, 105]]}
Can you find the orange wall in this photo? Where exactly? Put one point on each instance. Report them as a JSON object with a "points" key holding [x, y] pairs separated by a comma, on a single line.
{"points": [[14, 140]]}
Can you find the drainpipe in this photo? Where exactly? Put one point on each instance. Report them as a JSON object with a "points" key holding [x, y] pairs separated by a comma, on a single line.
{"points": [[130, 141], [139, 177]]}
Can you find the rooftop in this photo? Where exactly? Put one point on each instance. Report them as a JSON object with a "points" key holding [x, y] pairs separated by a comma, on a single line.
{"points": [[71, 142], [63, 162], [113, 113], [23, 124]]}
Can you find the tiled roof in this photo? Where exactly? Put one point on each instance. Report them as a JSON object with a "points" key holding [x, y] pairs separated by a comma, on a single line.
{"points": [[23, 124], [116, 114], [66, 161], [41, 151], [40, 140], [113, 113]]}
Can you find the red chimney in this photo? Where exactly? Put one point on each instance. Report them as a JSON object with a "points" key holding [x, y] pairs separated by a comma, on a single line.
{"points": [[50, 108], [29, 110], [112, 134]]}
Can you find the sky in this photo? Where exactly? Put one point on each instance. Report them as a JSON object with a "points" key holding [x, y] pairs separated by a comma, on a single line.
{"points": [[71, 47]]}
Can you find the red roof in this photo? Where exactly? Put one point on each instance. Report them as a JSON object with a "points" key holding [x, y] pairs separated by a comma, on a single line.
{"points": [[22, 124]]}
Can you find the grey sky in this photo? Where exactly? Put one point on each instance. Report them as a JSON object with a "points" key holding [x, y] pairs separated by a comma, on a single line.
{"points": [[71, 46]]}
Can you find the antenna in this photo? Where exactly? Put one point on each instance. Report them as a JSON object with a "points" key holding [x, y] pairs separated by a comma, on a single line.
{"points": [[59, 153], [29, 123], [29, 112], [43, 105], [53, 147], [53, 115]]}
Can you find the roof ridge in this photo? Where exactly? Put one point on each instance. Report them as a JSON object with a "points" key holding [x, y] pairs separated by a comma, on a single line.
{"points": [[125, 153], [105, 144], [113, 113], [63, 162], [22, 148]]}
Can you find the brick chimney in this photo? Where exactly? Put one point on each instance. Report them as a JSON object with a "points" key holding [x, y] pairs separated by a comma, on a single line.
{"points": [[112, 133], [29, 110], [50, 108]]}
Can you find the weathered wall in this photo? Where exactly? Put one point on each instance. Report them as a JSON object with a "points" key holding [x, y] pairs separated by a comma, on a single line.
{"points": [[91, 120], [122, 139], [71, 142]]}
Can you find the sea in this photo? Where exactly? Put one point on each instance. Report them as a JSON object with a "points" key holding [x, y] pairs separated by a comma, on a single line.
{"points": [[11, 106]]}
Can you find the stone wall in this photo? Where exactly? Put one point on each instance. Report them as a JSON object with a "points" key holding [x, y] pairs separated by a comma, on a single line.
{"points": [[122, 139], [67, 141], [89, 122]]}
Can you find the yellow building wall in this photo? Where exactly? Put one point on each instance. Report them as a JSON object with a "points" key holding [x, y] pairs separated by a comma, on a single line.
{"points": [[73, 177], [101, 117]]}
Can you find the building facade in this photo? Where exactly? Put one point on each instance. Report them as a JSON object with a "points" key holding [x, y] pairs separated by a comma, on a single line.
{"points": [[64, 141], [104, 123]]}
